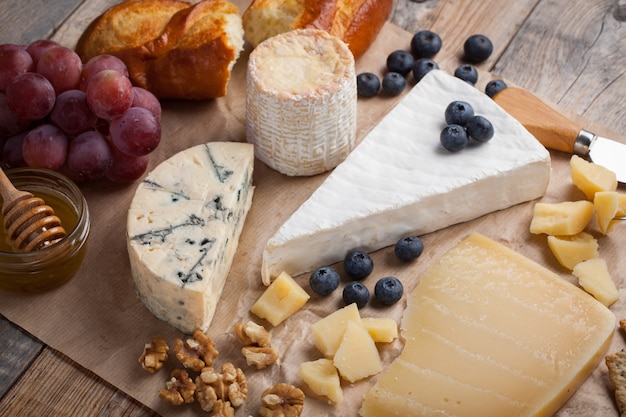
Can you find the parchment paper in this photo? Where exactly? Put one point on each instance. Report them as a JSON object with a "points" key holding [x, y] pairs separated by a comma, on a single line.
{"points": [[97, 320]]}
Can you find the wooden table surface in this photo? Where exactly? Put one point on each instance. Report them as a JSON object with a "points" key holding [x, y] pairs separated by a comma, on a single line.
{"points": [[571, 53]]}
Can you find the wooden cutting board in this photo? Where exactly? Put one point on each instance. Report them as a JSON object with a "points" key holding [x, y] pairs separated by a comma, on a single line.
{"points": [[97, 320]]}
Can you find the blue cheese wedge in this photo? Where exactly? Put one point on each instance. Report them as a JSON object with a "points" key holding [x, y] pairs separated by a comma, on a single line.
{"points": [[400, 180], [183, 230]]}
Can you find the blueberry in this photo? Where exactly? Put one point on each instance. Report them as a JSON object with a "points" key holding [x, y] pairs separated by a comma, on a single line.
{"points": [[393, 83], [453, 138], [388, 290], [493, 87], [425, 44], [358, 264], [477, 48], [400, 62], [409, 248], [467, 72], [355, 292], [324, 280], [422, 67], [367, 84], [479, 128], [458, 113]]}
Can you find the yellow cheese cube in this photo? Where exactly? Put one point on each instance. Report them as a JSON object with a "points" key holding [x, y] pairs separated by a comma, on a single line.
{"points": [[328, 332], [593, 275], [381, 329], [571, 250], [323, 379], [280, 300], [357, 356], [561, 219], [607, 205], [591, 178]]}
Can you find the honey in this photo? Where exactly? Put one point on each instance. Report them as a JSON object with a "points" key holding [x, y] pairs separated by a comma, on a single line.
{"points": [[66, 214], [46, 268]]}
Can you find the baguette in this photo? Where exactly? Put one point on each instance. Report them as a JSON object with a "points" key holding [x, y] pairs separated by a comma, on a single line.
{"points": [[356, 22], [175, 49]]}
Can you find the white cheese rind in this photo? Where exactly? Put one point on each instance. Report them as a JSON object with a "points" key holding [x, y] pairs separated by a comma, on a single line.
{"points": [[301, 102], [400, 180], [183, 229]]}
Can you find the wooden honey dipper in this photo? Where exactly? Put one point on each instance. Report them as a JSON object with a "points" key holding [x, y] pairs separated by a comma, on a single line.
{"points": [[30, 223]]}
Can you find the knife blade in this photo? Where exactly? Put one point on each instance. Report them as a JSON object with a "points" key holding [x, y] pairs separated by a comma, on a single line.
{"points": [[558, 132]]}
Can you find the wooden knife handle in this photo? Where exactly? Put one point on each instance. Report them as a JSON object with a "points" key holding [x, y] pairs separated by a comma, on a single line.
{"points": [[550, 127]]}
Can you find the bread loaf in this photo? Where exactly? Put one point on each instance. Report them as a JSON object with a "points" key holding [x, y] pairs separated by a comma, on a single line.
{"points": [[356, 22], [175, 49]]}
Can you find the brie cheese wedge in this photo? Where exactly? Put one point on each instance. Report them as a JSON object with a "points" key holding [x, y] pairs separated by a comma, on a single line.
{"points": [[183, 230], [399, 180]]}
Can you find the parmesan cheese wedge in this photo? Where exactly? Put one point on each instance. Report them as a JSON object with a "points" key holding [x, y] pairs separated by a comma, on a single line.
{"points": [[280, 300], [357, 357], [571, 250], [488, 332], [561, 219], [322, 377], [591, 178], [606, 205], [594, 276]]}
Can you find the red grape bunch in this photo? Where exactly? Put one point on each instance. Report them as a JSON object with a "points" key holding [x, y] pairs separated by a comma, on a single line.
{"points": [[85, 120]]}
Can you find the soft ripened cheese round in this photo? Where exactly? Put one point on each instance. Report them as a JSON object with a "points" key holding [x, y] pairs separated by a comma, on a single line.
{"points": [[301, 102], [399, 180], [183, 230], [491, 333]]}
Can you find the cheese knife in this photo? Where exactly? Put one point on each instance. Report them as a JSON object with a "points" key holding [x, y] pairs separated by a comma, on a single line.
{"points": [[555, 131]]}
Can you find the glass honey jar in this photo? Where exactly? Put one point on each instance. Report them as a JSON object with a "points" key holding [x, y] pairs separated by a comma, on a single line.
{"points": [[54, 265]]}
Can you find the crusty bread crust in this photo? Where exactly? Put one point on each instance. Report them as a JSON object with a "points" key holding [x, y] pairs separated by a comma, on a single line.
{"points": [[356, 22], [365, 25], [110, 32], [172, 48]]}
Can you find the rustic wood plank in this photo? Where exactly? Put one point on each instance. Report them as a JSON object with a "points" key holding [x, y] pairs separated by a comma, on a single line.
{"points": [[67, 389], [71, 30], [414, 15], [454, 21], [26, 21], [573, 54], [56, 386], [19, 349]]}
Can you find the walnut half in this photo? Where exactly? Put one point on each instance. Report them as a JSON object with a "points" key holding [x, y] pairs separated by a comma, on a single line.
{"points": [[195, 352], [180, 389], [223, 409], [215, 388], [251, 333], [282, 400], [256, 344], [260, 357], [154, 355]]}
